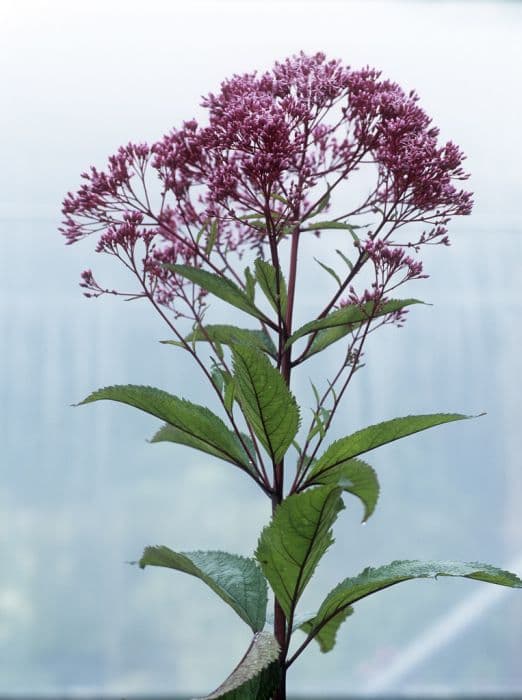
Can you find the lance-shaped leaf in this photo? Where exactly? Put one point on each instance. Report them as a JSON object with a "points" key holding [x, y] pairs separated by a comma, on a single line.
{"points": [[273, 286], [265, 400], [230, 335], [250, 285], [353, 476], [221, 287], [291, 546], [349, 317], [370, 581], [322, 204], [326, 635], [330, 271], [376, 435], [193, 425], [236, 580], [168, 433], [317, 225], [327, 337], [257, 674]]}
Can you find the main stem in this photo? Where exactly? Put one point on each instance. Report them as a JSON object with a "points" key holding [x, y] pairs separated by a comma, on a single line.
{"points": [[280, 622]]}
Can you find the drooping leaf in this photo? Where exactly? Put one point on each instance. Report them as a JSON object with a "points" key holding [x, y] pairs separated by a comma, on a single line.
{"points": [[291, 546], [346, 260], [273, 288], [376, 435], [257, 674], [355, 477], [231, 335], [350, 317], [168, 433], [221, 287], [192, 424], [371, 580], [330, 271], [326, 635], [236, 580], [265, 400]]}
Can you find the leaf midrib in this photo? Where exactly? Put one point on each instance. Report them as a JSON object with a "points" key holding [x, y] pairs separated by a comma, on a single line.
{"points": [[297, 593], [260, 409]]}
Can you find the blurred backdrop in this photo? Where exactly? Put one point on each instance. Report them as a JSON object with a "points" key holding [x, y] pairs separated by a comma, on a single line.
{"points": [[81, 491]]}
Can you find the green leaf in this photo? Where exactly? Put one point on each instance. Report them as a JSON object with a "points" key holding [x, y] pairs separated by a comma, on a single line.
{"points": [[370, 581], [250, 284], [279, 198], [217, 378], [327, 337], [291, 546], [236, 580], [221, 287], [355, 477], [168, 433], [350, 317], [321, 206], [191, 424], [330, 225], [257, 674], [230, 392], [212, 236], [326, 636], [265, 400], [330, 271], [176, 343], [376, 435], [231, 335], [267, 276], [346, 260]]}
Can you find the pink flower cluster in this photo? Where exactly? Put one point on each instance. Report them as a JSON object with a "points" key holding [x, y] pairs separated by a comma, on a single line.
{"points": [[391, 268], [274, 146]]}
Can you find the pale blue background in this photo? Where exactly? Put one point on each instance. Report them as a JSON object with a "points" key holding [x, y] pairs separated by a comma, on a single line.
{"points": [[81, 492]]}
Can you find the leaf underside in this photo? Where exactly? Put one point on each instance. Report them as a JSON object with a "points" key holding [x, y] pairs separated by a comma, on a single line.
{"points": [[326, 636], [236, 580], [191, 424], [265, 400], [257, 674], [291, 546]]}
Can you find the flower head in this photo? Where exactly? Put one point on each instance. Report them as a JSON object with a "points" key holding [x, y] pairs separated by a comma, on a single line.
{"points": [[275, 145]]}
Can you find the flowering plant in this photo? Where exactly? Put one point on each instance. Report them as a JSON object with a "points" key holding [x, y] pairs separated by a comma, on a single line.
{"points": [[183, 216]]}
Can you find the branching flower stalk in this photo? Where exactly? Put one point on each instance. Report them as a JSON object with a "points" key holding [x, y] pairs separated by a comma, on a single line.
{"points": [[184, 215]]}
